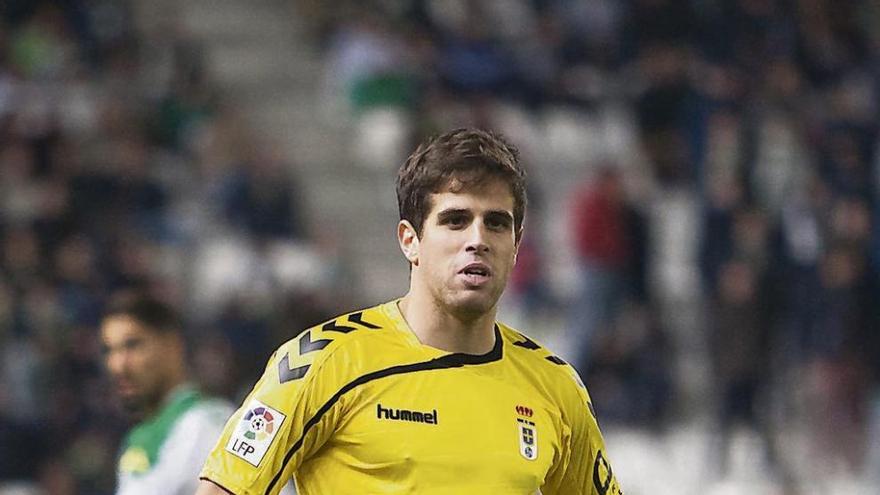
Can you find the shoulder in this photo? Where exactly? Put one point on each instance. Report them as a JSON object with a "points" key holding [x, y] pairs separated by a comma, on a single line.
{"points": [[352, 340], [207, 416], [523, 347], [191, 438], [210, 410], [550, 371]]}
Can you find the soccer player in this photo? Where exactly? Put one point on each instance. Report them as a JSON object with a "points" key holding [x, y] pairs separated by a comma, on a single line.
{"points": [[427, 393], [177, 426]]}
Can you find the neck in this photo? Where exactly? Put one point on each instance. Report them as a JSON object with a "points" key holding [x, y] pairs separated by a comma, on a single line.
{"points": [[153, 409], [437, 327]]}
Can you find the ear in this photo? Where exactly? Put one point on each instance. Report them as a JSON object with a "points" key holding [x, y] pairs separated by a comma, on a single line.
{"points": [[408, 239], [173, 342], [517, 242]]}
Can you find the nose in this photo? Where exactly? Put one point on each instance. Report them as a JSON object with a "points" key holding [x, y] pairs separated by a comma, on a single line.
{"points": [[116, 362], [476, 242]]}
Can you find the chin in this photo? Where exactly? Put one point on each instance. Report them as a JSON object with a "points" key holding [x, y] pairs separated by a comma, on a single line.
{"points": [[136, 403], [473, 306], [132, 404]]}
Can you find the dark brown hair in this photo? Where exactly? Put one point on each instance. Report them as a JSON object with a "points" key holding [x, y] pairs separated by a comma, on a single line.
{"points": [[458, 158], [146, 310]]}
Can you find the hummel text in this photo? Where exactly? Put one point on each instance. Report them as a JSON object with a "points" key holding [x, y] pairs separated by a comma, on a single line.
{"points": [[405, 415]]}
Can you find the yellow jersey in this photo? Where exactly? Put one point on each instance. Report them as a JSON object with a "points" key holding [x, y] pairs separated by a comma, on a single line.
{"points": [[359, 406]]}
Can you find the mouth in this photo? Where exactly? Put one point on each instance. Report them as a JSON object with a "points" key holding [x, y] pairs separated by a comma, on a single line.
{"points": [[125, 388], [475, 274]]}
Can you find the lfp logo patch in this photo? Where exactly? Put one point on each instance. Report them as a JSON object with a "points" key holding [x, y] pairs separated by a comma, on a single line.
{"points": [[256, 430], [260, 423]]}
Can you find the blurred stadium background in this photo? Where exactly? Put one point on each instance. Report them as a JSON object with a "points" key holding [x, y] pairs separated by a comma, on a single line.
{"points": [[702, 239]]}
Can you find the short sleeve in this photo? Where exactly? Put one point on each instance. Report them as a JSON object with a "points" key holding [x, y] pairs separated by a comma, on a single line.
{"points": [[584, 467], [291, 412]]}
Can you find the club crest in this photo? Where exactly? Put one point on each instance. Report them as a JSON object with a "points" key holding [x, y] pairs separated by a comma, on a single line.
{"points": [[528, 434]]}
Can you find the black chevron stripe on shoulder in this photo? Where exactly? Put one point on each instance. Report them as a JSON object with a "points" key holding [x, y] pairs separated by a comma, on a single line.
{"points": [[306, 344], [285, 374], [527, 343], [331, 326], [359, 319], [555, 360]]}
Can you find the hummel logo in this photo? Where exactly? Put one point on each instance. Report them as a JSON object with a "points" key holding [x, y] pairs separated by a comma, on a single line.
{"points": [[405, 415]]}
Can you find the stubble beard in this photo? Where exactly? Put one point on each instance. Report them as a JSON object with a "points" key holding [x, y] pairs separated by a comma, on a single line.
{"points": [[471, 307], [142, 404], [134, 405]]}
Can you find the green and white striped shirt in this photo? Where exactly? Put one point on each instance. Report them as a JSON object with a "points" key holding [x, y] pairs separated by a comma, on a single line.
{"points": [[165, 453]]}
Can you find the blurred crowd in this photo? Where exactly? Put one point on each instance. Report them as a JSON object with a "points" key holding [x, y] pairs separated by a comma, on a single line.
{"points": [[122, 164]]}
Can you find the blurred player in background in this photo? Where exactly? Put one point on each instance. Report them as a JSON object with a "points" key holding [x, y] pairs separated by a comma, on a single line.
{"points": [[427, 393], [146, 357]]}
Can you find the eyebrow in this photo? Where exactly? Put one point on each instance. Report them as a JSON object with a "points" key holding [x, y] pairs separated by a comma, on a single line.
{"points": [[451, 212], [501, 213]]}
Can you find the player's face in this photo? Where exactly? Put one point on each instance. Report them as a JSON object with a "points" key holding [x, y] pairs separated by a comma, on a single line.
{"points": [[139, 361], [468, 247]]}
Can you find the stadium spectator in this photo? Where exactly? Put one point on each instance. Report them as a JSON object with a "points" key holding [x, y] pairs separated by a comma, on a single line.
{"points": [[145, 354], [739, 338], [604, 252]]}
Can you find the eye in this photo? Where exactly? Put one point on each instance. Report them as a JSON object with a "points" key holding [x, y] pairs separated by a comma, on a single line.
{"points": [[455, 221], [498, 222], [132, 344]]}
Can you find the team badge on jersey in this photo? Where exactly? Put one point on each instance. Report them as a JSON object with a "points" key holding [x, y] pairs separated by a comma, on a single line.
{"points": [[135, 460], [528, 434], [256, 430]]}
